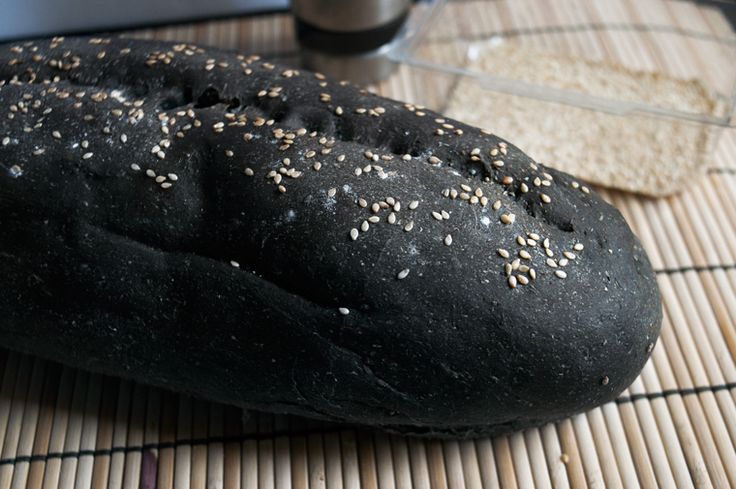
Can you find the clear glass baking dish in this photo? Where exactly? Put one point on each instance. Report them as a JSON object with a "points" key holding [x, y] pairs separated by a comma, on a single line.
{"points": [[657, 74]]}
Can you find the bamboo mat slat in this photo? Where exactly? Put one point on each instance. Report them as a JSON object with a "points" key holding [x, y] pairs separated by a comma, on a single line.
{"points": [[674, 427]]}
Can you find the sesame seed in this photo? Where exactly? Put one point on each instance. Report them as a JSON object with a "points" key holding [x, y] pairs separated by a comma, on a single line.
{"points": [[522, 279], [521, 240], [508, 218], [507, 268], [123, 138], [523, 268], [397, 206], [545, 198], [282, 189], [403, 274], [578, 247], [448, 239], [585, 189], [6, 141], [560, 274], [551, 263], [234, 263], [374, 219], [434, 160], [532, 274], [605, 380], [362, 202], [317, 166], [173, 177], [534, 236], [249, 172], [496, 205], [437, 215], [56, 134], [344, 311], [338, 111], [353, 234], [392, 218], [569, 255], [503, 253], [531, 242], [515, 264], [563, 262], [375, 207], [409, 226], [277, 178], [545, 243], [135, 167], [332, 192], [166, 185], [87, 156], [507, 180], [151, 173], [524, 188], [406, 157], [498, 163], [229, 153], [358, 172], [160, 178], [475, 151], [364, 226], [512, 281], [413, 204], [525, 255], [549, 252], [161, 155]]}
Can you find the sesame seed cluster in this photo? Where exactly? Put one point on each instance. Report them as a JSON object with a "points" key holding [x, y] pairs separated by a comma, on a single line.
{"points": [[35, 75]]}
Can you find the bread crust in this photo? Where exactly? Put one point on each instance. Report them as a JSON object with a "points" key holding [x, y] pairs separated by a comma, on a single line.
{"points": [[165, 219]]}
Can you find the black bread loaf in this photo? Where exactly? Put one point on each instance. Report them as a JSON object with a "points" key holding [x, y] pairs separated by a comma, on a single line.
{"points": [[265, 237]]}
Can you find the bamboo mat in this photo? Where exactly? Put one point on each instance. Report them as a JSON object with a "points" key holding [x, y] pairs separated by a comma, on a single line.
{"points": [[674, 427]]}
